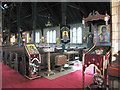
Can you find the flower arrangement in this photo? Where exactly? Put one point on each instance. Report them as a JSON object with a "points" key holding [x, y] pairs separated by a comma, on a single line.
{"points": [[98, 80]]}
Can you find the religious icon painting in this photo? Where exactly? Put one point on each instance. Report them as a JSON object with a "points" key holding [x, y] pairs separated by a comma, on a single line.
{"points": [[32, 49], [65, 34], [103, 34]]}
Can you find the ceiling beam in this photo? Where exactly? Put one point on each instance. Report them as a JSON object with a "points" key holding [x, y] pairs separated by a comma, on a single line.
{"points": [[52, 13], [81, 9], [39, 11]]}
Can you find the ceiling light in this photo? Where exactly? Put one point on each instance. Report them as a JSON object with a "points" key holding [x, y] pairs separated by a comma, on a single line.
{"points": [[5, 6], [48, 23]]}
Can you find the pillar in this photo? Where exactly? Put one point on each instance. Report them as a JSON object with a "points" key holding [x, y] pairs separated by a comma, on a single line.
{"points": [[18, 22], [9, 26], [9, 36], [115, 7], [34, 20], [64, 8]]}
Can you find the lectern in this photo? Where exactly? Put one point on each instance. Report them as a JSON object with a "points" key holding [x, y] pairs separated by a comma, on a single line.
{"points": [[32, 62]]}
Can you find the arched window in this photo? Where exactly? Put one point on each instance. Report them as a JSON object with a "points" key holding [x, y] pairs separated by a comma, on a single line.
{"points": [[79, 35], [51, 36], [37, 34], [27, 37], [48, 38], [76, 35]]}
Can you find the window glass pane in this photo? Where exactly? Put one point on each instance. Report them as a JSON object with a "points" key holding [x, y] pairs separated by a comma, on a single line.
{"points": [[37, 34], [74, 35], [48, 37], [38, 37], [27, 37], [79, 35], [54, 36], [71, 35]]}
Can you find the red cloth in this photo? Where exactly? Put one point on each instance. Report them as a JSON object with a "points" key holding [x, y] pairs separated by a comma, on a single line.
{"points": [[90, 57]]}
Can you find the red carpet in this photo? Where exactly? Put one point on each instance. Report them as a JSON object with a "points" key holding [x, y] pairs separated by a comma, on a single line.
{"points": [[12, 79]]}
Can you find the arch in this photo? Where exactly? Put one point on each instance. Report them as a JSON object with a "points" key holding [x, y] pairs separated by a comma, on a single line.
{"points": [[95, 67], [36, 60]]}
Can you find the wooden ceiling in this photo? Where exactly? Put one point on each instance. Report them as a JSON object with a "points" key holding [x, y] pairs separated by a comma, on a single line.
{"points": [[74, 13]]}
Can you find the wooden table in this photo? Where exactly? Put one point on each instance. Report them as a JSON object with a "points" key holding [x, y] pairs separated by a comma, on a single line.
{"points": [[48, 50]]}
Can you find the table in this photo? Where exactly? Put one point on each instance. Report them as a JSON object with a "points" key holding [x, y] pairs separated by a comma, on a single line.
{"points": [[48, 50]]}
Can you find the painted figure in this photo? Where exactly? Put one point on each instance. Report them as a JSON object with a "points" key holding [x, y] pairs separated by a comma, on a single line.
{"points": [[32, 50], [65, 35], [104, 36]]}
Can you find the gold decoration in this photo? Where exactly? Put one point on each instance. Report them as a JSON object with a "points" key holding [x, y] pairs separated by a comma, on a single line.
{"points": [[98, 64], [93, 59], [85, 65], [88, 62]]}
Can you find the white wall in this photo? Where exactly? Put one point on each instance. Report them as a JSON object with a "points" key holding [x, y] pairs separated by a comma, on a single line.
{"points": [[115, 28]]}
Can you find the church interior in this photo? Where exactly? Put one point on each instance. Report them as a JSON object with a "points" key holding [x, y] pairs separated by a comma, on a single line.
{"points": [[60, 45]]}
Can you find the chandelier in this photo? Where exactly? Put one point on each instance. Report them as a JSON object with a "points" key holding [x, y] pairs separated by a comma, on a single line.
{"points": [[48, 23]]}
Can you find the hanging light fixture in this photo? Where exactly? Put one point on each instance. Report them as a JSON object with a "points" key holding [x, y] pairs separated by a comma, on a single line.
{"points": [[4, 6], [48, 23]]}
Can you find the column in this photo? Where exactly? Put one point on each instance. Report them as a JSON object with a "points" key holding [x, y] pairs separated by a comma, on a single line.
{"points": [[34, 20], [9, 36], [18, 22], [2, 27], [9, 26], [63, 7], [115, 7]]}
